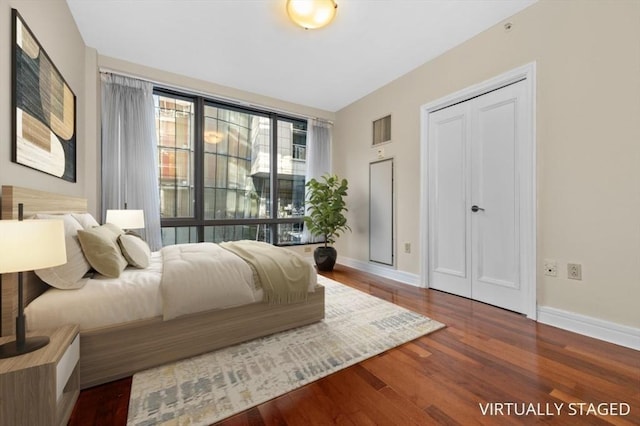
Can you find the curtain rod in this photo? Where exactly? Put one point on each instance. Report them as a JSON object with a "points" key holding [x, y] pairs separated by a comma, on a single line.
{"points": [[211, 96]]}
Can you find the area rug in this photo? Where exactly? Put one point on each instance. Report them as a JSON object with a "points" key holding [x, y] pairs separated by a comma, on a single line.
{"points": [[210, 387]]}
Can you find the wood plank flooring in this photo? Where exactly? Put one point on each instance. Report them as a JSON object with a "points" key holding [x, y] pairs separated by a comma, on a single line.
{"points": [[485, 355]]}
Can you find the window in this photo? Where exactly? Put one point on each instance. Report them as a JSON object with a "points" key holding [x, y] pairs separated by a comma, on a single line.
{"points": [[175, 127], [299, 133], [217, 165]]}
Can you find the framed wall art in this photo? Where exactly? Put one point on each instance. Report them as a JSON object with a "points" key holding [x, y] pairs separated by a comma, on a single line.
{"points": [[44, 108]]}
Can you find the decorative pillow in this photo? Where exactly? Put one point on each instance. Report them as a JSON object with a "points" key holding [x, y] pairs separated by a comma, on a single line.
{"points": [[100, 247], [135, 250], [86, 220], [67, 276]]}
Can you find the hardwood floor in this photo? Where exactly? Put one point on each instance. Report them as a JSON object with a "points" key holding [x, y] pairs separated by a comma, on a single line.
{"points": [[485, 356]]}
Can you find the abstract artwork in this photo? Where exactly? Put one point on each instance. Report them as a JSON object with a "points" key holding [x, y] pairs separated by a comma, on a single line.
{"points": [[44, 108]]}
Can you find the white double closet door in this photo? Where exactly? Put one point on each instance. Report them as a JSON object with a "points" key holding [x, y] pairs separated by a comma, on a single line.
{"points": [[475, 189]]}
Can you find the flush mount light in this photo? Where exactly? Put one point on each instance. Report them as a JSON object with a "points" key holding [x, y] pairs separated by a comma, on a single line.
{"points": [[311, 14]]}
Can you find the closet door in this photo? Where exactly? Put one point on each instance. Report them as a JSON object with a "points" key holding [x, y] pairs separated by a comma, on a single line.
{"points": [[475, 209], [449, 221], [498, 125]]}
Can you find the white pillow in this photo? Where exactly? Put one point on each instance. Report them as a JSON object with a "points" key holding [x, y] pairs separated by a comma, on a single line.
{"points": [[86, 220], [67, 276], [135, 250]]}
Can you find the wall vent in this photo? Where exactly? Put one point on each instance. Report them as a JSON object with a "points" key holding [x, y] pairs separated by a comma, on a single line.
{"points": [[382, 130]]}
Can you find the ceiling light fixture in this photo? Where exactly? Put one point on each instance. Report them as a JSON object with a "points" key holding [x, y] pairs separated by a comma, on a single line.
{"points": [[311, 14]]}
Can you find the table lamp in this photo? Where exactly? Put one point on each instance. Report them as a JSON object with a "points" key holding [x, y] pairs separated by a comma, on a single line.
{"points": [[126, 219], [26, 245]]}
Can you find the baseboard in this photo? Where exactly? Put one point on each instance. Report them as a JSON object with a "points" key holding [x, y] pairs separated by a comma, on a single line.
{"points": [[593, 327], [381, 270]]}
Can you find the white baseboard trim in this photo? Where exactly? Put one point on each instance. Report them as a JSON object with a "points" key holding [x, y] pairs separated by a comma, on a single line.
{"points": [[593, 327], [381, 270]]}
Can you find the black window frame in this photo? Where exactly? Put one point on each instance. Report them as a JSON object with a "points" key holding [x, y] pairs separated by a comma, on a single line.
{"points": [[198, 220]]}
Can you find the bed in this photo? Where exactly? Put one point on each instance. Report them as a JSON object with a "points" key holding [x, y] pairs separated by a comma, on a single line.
{"points": [[114, 351]]}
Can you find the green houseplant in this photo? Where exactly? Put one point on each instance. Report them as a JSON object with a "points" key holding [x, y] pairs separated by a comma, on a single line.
{"points": [[326, 207]]}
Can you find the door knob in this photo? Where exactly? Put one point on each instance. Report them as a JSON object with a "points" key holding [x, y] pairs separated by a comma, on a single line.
{"points": [[476, 208]]}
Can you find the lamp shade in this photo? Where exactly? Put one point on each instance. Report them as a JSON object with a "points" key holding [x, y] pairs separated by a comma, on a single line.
{"points": [[126, 219], [311, 14], [26, 245]]}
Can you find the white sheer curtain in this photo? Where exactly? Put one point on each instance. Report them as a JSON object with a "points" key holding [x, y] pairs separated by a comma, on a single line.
{"points": [[129, 151], [319, 136]]}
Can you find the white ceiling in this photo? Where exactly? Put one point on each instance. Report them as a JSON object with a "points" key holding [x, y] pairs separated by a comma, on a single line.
{"points": [[251, 44]]}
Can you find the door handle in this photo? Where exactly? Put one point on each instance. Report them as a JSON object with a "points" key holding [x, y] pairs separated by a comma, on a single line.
{"points": [[476, 208]]}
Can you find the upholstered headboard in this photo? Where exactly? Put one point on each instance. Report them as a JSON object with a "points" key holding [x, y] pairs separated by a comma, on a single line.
{"points": [[34, 202]]}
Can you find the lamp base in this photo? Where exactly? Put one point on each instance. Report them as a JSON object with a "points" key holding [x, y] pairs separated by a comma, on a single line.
{"points": [[31, 344]]}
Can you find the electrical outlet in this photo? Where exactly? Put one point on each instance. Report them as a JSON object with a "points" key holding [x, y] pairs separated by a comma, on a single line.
{"points": [[407, 247], [550, 268], [574, 271]]}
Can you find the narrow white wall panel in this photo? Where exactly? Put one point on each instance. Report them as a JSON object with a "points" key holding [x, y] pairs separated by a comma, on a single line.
{"points": [[381, 212]]}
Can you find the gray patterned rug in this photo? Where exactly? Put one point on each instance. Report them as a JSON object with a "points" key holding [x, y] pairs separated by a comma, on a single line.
{"points": [[208, 388]]}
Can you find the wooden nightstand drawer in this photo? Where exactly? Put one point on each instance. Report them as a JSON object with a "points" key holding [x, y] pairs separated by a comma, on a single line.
{"points": [[66, 366]]}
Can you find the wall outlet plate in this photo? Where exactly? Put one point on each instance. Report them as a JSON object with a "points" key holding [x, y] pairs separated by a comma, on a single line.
{"points": [[550, 268], [574, 271]]}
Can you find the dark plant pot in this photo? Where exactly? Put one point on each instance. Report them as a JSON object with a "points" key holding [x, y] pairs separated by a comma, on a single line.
{"points": [[325, 258]]}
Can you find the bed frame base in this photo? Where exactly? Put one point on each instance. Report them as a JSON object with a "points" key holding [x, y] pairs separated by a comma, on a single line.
{"points": [[111, 353]]}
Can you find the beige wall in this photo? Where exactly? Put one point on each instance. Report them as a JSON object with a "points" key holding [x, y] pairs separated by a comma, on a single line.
{"points": [[588, 146], [53, 25]]}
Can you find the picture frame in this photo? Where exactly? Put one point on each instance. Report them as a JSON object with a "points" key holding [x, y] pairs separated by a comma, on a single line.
{"points": [[43, 108]]}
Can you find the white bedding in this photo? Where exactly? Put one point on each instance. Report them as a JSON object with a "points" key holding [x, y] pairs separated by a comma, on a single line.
{"points": [[102, 301], [135, 295]]}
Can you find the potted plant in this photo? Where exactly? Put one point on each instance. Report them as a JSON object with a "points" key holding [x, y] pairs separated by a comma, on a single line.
{"points": [[325, 218]]}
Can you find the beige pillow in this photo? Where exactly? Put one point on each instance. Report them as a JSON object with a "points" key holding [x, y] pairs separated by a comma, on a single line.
{"points": [[86, 220], [67, 276], [100, 247], [135, 250]]}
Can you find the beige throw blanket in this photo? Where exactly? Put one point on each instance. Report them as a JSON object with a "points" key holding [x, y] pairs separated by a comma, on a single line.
{"points": [[284, 275]]}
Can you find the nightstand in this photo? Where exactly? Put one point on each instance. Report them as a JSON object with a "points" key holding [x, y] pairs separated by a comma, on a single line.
{"points": [[41, 387]]}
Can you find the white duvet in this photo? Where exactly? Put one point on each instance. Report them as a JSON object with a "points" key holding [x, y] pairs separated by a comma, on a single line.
{"points": [[214, 279], [198, 277]]}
